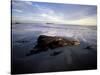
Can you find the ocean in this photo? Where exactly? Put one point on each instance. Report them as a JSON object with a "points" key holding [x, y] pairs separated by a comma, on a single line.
{"points": [[24, 38]]}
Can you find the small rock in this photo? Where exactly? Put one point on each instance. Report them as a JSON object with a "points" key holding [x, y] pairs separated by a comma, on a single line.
{"points": [[56, 53]]}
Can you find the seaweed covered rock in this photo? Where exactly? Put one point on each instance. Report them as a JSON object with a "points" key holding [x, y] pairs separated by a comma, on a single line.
{"points": [[51, 42]]}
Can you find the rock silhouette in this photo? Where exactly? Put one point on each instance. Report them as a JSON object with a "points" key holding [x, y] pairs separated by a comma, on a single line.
{"points": [[91, 47], [55, 53], [51, 42]]}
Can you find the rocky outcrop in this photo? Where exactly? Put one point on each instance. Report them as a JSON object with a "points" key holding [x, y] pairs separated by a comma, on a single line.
{"points": [[51, 42], [91, 47], [45, 42]]}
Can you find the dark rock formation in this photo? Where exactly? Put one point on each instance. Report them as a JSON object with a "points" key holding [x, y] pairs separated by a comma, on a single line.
{"points": [[55, 53], [51, 42], [91, 47], [22, 41]]}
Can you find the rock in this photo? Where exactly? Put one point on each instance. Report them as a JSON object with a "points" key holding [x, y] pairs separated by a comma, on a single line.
{"points": [[45, 42], [51, 42], [22, 41], [91, 47], [56, 53]]}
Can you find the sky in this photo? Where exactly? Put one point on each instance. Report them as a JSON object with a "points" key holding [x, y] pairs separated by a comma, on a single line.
{"points": [[31, 12]]}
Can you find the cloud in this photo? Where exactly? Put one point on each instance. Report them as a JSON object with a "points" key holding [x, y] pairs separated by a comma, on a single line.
{"points": [[25, 6], [84, 21], [82, 13], [87, 21], [28, 2], [48, 14], [27, 10], [16, 10]]}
